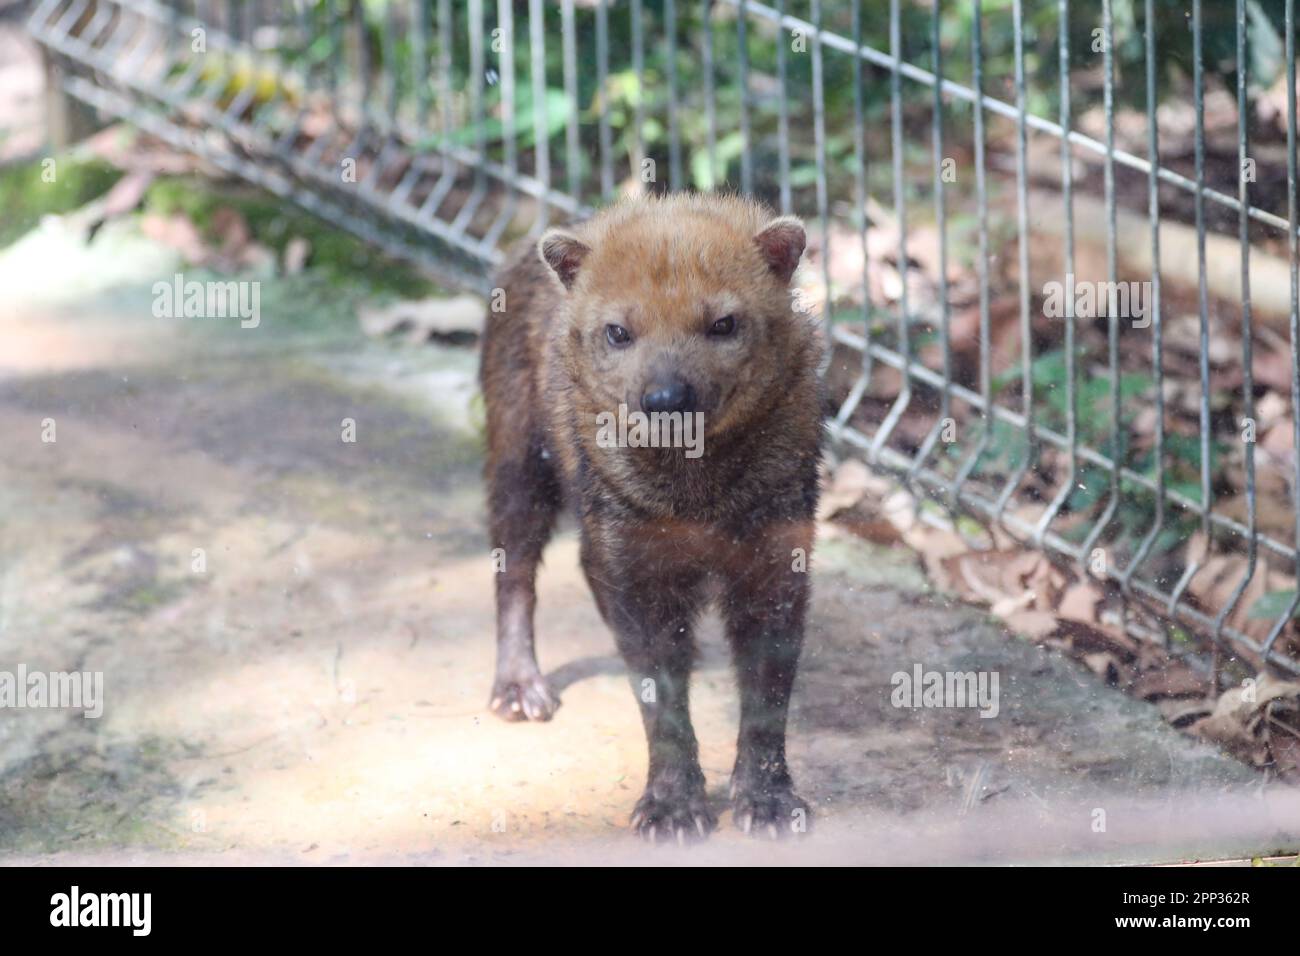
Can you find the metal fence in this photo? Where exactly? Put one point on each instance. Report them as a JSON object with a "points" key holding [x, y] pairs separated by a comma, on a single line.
{"points": [[443, 131]]}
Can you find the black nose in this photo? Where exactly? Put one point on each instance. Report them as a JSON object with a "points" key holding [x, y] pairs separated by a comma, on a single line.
{"points": [[668, 397]]}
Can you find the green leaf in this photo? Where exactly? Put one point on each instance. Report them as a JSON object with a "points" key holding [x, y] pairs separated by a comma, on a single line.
{"points": [[1266, 45], [557, 111], [1271, 605]]}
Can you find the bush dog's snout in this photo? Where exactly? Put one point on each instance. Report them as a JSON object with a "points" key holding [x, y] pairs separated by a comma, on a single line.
{"points": [[672, 395]]}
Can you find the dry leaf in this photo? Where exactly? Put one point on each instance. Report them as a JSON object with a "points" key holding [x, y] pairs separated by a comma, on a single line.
{"points": [[1035, 625], [1080, 602], [900, 510], [844, 487], [1257, 721]]}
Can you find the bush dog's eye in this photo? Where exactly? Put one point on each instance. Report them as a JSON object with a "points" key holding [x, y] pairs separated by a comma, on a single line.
{"points": [[724, 326], [617, 336]]}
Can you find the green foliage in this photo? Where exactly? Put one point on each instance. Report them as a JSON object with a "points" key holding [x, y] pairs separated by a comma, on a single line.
{"points": [[25, 196], [493, 129], [1095, 426], [624, 91], [1272, 605], [1174, 46]]}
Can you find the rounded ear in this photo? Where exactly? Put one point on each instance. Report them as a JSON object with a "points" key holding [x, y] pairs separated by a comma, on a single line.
{"points": [[781, 243], [564, 253]]}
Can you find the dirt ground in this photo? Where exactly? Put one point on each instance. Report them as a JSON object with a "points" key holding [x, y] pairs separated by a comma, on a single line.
{"points": [[316, 692]]}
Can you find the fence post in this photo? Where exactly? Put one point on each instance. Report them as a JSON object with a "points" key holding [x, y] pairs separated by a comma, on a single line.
{"points": [[68, 119]]}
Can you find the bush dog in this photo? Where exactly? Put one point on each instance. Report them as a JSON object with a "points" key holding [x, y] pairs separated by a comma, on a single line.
{"points": [[678, 309]]}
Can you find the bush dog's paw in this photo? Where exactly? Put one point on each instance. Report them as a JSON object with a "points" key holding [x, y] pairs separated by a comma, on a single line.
{"points": [[525, 698], [675, 811], [776, 811]]}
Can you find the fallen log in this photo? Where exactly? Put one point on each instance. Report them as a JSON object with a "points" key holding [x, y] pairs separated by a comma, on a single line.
{"points": [[1270, 275]]}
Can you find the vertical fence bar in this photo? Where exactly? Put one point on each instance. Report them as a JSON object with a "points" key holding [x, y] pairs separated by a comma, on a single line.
{"points": [[421, 97], [1202, 288], [742, 79], [388, 63], [246, 93], [446, 29], [506, 24], [860, 189], [363, 70], [1247, 357], [541, 135], [710, 96], [446, 64], [336, 47], [509, 134], [307, 32], [819, 138], [783, 105], [333, 64], [863, 381], [1157, 338], [602, 93], [638, 70], [390, 94], [674, 132], [572, 146], [174, 40], [1293, 247], [941, 226], [1112, 275], [420, 63], [190, 78], [1202, 298], [477, 117], [900, 214], [1067, 192], [1022, 233], [972, 460]]}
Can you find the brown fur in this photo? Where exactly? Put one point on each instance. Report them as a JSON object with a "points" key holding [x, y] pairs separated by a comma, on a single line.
{"points": [[662, 532]]}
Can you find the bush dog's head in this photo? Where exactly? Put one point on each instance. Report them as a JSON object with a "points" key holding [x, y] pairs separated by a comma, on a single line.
{"points": [[681, 304]]}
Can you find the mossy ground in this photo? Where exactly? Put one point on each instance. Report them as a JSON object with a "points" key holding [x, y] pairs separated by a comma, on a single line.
{"points": [[27, 192]]}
